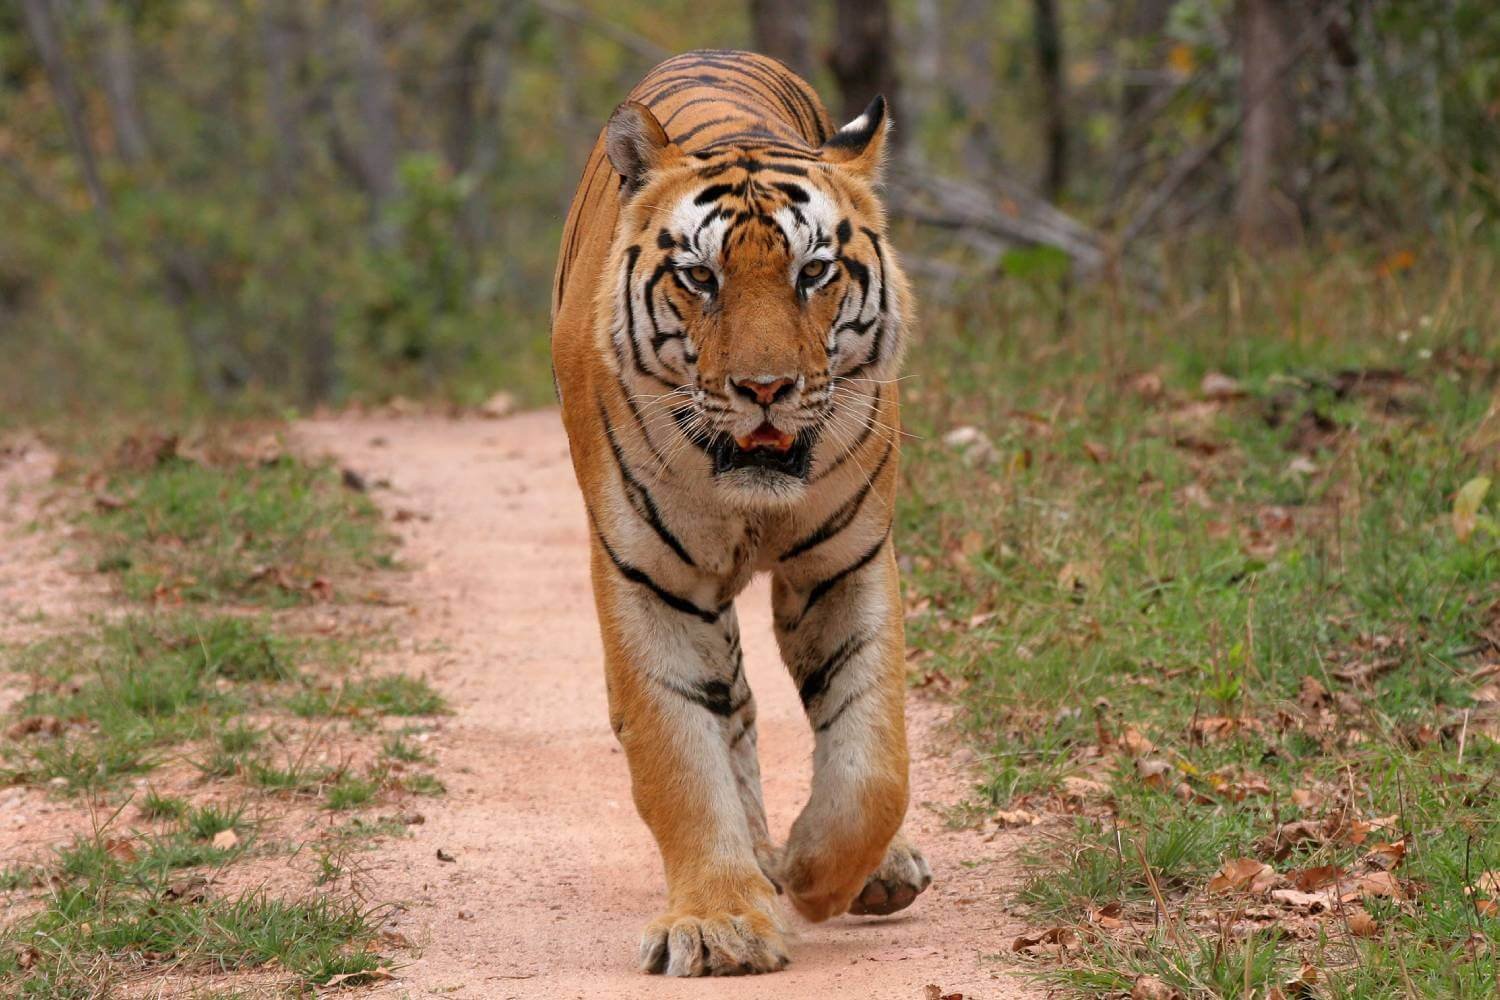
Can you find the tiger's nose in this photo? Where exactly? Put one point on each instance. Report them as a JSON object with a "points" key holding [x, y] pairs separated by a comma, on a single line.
{"points": [[763, 389]]}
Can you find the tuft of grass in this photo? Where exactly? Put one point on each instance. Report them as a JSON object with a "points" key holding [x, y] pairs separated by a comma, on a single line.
{"points": [[205, 821], [350, 792], [397, 747], [155, 805], [391, 694], [1183, 612], [295, 776], [13, 877], [421, 783]]}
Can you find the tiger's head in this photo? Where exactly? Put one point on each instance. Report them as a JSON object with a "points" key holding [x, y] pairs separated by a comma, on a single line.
{"points": [[753, 293]]}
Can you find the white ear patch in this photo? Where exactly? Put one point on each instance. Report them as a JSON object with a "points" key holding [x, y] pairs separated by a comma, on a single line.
{"points": [[857, 125]]}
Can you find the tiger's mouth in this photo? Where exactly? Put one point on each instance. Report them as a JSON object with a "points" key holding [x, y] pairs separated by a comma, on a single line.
{"points": [[767, 447]]}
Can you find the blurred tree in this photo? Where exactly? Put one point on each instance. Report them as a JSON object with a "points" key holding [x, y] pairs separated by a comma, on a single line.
{"points": [[1047, 35], [1264, 214], [375, 94], [41, 23], [783, 28], [283, 42], [117, 70], [972, 28], [862, 57]]}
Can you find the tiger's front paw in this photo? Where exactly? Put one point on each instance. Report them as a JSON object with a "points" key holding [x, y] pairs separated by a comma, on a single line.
{"points": [[899, 880], [713, 944]]}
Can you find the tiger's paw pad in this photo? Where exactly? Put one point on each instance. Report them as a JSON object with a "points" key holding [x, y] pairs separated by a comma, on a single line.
{"points": [[724, 944], [899, 880]]}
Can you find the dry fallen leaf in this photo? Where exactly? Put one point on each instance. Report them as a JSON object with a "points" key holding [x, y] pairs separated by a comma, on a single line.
{"points": [[1052, 939], [375, 975], [1217, 385], [1133, 743], [1008, 819], [1375, 884], [1107, 917], [934, 992], [1290, 835], [1361, 924], [1243, 874], [1307, 902], [1385, 857], [1084, 788], [1312, 879], [1301, 988], [1152, 988], [1153, 772]]}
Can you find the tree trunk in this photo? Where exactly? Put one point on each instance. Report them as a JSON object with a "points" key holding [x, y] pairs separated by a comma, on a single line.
{"points": [[922, 94], [282, 46], [41, 23], [1047, 35], [1264, 216], [478, 78], [972, 77], [783, 29], [863, 59], [117, 70], [377, 144]]}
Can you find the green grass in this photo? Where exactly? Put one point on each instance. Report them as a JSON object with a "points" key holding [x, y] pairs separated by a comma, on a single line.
{"points": [[108, 704], [422, 783], [115, 699], [351, 792], [391, 694], [397, 747], [224, 527], [1131, 556]]}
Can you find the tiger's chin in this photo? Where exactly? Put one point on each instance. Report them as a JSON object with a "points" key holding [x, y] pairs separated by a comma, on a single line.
{"points": [[758, 472]]}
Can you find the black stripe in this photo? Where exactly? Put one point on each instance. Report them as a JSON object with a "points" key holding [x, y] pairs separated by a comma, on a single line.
{"points": [[875, 346], [844, 515], [821, 589], [815, 684], [796, 192], [636, 575], [640, 497], [712, 695], [827, 723], [632, 255]]}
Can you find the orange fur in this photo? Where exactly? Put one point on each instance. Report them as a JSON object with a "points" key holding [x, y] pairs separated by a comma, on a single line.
{"points": [[728, 119]]}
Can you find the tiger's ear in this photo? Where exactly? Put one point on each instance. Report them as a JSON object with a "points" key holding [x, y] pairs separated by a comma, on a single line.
{"points": [[636, 144], [860, 145]]}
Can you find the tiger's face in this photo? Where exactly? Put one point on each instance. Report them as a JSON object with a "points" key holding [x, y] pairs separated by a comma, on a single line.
{"points": [[755, 293]]}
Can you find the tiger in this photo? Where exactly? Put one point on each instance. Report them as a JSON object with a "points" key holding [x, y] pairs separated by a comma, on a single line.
{"points": [[728, 317]]}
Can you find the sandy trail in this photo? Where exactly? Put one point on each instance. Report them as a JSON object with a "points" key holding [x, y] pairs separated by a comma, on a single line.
{"points": [[554, 873]]}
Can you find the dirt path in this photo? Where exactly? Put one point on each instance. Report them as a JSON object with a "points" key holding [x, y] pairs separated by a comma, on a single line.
{"points": [[554, 873]]}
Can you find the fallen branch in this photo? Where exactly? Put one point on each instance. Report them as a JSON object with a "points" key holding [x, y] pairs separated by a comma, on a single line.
{"points": [[1002, 211]]}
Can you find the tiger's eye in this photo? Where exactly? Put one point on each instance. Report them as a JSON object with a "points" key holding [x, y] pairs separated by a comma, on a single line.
{"points": [[702, 275], [814, 269]]}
